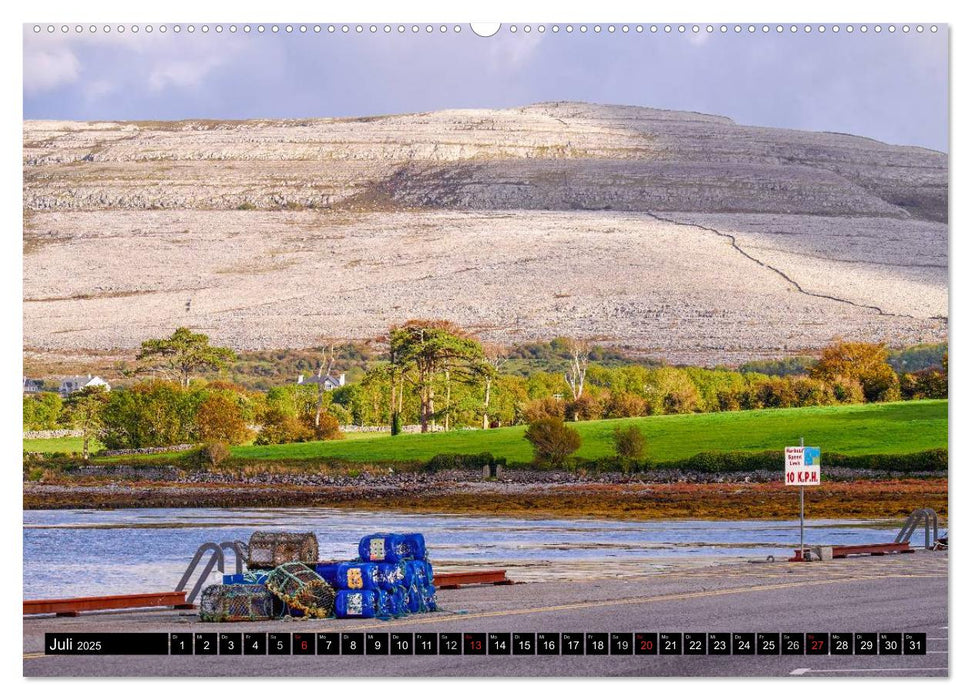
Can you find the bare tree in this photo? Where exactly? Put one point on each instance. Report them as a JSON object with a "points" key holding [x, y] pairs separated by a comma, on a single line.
{"points": [[579, 361], [329, 354], [495, 357]]}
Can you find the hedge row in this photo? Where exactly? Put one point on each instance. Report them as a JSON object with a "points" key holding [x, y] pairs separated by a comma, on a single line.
{"points": [[719, 462]]}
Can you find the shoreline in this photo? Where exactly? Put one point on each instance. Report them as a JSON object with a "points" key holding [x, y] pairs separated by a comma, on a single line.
{"points": [[863, 499]]}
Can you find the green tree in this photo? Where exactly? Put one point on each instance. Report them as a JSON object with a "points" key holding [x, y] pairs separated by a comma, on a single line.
{"points": [[427, 351], [86, 408], [150, 414], [183, 354], [553, 441], [42, 411]]}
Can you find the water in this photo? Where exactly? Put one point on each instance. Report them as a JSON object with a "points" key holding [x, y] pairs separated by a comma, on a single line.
{"points": [[92, 552]]}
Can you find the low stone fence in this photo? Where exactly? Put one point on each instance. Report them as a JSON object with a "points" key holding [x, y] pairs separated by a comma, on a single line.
{"points": [[147, 450], [51, 434], [386, 428]]}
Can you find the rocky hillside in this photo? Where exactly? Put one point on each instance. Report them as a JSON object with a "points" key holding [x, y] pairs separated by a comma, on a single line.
{"points": [[675, 234]]}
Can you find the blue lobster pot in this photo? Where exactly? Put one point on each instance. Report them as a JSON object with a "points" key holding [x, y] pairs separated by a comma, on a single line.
{"points": [[328, 570], [414, 544], [397, 602], [358, 575], [394, 574], [392, 547], [415, 600], [382, 547], [363, 603]]}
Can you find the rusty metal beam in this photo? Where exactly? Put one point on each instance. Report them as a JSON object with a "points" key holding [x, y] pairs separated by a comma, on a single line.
{"points": [[877, 550], [72, 606], [496, 577]]}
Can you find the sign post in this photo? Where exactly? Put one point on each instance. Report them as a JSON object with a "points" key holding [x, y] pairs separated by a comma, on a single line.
{"points": [[802, 470]]}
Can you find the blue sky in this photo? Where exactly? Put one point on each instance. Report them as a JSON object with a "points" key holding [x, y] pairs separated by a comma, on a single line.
{"points": [[891, 87]]}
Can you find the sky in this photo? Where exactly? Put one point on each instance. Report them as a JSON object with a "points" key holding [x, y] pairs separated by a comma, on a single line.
{"points": [[892, 87]]}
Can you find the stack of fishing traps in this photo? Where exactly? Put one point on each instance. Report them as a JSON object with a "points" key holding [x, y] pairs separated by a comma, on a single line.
{"points": [[391, 578]]}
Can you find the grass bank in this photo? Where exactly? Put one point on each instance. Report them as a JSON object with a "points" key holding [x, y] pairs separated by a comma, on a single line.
{"points": [[891, 428]]}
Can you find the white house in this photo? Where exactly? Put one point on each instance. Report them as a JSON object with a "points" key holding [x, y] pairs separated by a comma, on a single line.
{"points": [[69, 385], [329, 383], [33, 386]]}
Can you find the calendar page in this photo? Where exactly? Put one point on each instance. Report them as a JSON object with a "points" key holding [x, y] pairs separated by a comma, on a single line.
{"points": [[386, 349]]}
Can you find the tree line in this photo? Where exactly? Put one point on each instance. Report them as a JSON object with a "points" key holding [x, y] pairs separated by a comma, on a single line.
{"points": [[438, 376]]}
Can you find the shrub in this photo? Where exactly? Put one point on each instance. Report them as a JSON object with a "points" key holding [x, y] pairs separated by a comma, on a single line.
{"points": [[328, 428], [214, 453], [881, 384], [772, 461], [552, 441], [629, 442]]}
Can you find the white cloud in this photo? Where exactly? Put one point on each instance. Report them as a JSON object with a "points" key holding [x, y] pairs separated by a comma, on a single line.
{"points": [[511, 51], [158, 61], [180, 72], [49, 67]]}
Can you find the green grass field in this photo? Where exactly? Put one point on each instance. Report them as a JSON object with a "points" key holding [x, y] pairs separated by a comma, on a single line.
{"points": [[892, 428], [68, 444]]}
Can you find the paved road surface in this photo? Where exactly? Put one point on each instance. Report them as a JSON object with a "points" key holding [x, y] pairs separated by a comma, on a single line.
{"points": [[901, 593]]}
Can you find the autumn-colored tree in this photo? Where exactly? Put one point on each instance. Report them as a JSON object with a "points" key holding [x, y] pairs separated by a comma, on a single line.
{"points": [[865, 362], [553, 441], [330, 351], [183, 354], [220, 419], [924, 384], [280, 426], [625, 404], [539, 409], [670, 390], [585, 407]]}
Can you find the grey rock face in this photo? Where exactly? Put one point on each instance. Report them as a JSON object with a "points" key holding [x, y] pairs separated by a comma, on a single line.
{"points": [[675, 234]]}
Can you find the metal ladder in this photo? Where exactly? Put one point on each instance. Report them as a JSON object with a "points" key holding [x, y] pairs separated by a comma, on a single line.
{"points": [[216, 560], [928, 517]]}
